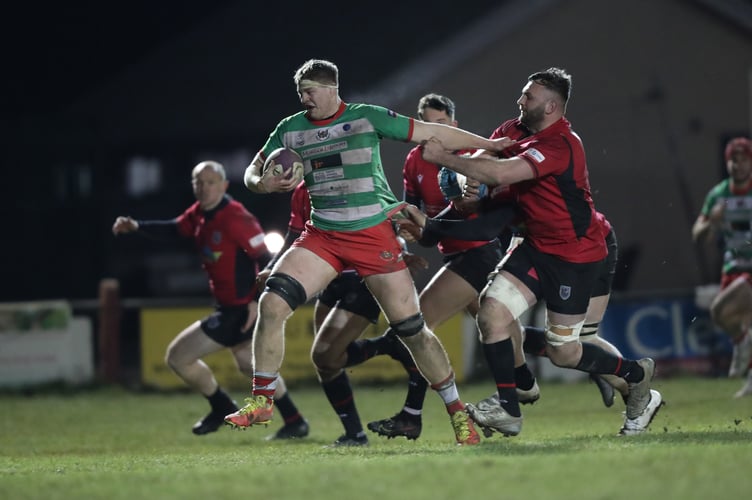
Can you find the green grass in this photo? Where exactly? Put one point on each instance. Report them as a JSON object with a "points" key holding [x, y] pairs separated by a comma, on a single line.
{"points": [[112, 443]]}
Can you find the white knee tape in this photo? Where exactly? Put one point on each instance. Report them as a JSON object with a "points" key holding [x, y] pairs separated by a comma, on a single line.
{"points": [[557, 340], [504, 291]]}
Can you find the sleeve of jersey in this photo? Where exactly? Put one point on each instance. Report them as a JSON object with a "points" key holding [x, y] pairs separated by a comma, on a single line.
{"points": [[274, 141], [486, 226], [547, 158], [170, 229], [250, 236], [161, 229], [710, 200], [389, 123]]}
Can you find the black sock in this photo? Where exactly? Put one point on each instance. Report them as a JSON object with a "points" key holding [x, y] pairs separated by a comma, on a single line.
{"points": [[340, 395], [362, 350], [523, 377], [221, 402], [595, 359], [417, 386], [535, 341], [287, 409], [500, 359]]}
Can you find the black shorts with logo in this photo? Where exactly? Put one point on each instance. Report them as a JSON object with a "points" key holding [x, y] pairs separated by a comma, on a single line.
{"points": [[475, 265], [224, 324], [565, 286], [349, 292]]}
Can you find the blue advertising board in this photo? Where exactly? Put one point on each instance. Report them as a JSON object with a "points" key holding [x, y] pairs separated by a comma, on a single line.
{"points": [[668, 329]]}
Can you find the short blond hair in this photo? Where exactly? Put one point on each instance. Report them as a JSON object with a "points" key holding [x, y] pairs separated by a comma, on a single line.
{"points": [[318, 70]]}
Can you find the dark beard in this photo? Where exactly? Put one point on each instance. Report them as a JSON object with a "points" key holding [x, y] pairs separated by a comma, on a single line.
{"points": [[532, 118]]}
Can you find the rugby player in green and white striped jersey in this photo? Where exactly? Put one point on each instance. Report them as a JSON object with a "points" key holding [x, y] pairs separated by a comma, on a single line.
{"points": [[351, 226]]}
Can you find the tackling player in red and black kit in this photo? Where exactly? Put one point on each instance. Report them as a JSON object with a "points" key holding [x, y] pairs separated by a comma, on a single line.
{"points": [[231, 244], [558, 262]]}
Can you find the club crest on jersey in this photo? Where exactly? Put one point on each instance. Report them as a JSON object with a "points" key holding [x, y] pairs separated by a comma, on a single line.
{"points": [[209, 255], [420, 178], [322, 134], [565, 292]]}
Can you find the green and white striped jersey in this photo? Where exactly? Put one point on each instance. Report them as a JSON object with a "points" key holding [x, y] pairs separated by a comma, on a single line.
{"points": [[737, 226], [343, 171]]}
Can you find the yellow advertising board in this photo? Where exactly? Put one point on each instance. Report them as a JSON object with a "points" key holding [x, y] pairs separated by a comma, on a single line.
{"points": [[160, 325]]}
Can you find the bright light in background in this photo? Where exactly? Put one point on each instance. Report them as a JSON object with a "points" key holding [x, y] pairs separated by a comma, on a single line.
{"points": [[274, 241]]}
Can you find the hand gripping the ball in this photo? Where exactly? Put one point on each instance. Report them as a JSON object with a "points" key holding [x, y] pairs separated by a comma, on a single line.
{"points": [[283, 170]]}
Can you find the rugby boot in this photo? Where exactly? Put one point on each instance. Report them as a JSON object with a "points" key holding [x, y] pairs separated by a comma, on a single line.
{"points": [[258, 410], [464, 430], [402, 424]]}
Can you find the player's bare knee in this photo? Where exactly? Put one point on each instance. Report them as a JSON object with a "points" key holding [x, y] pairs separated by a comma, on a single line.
{"points": [[173, 359], [324, 361], [286, 287]]}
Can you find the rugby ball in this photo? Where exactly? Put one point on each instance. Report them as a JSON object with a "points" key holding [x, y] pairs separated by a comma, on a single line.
{"points": [[284, 162]]}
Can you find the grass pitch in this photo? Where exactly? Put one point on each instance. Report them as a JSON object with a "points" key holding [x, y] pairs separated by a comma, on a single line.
{"points": [[112, 443]]}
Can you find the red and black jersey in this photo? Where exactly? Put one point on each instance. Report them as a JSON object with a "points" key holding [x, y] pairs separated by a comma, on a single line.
{"points": [[230, 241], [421, 187], [557, 206]]}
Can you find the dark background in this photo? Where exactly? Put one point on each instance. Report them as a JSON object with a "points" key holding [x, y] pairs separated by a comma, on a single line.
{"points": [[64, 170], [90, 88]]}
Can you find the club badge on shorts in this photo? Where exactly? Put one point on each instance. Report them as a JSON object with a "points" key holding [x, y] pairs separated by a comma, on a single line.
{"points": [[565, 292]]}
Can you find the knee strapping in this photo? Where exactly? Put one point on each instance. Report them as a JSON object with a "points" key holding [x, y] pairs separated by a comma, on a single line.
{"points": [[288, 288], [408, 326], [556, 340], [589, 329], [504, 291]]}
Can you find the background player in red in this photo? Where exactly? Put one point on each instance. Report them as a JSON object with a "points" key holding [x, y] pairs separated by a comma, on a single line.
{"points": [[230, 241], [559, 260]]}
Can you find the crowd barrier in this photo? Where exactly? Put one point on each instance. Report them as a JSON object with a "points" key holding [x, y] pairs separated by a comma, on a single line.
{"points": [[114, 340]]}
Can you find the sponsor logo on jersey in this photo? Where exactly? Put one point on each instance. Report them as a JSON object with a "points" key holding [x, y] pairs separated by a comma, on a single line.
{"points": [[334, 160], [300, 139], [346, 127], [337, 146], [257, 240], [535, 155], [420, 178], [209, 255], [331, 174], [565, 292]]}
